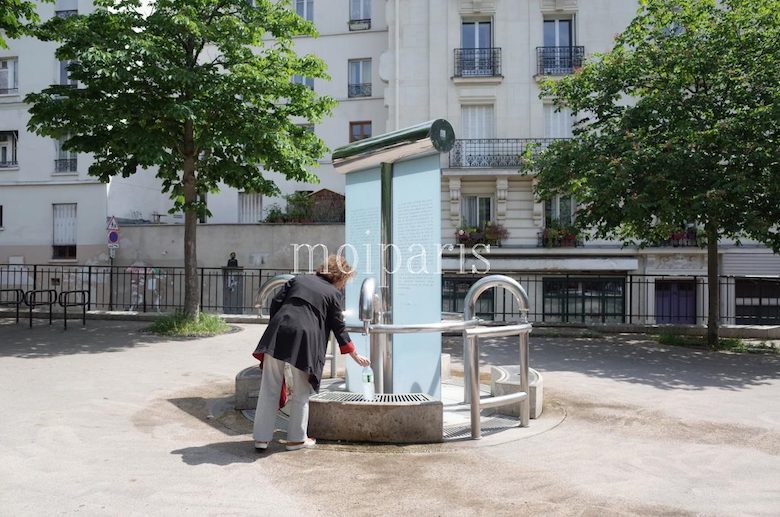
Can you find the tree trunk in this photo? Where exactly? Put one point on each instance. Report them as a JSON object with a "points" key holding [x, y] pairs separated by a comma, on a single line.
{"points": [[191, 285], [713, 288]]}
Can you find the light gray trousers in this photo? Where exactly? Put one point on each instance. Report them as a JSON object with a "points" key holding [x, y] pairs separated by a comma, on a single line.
{"points": [[268, 402]]}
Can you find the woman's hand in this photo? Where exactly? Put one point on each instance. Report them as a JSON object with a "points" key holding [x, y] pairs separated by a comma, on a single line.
{"points": [[359, 359]]}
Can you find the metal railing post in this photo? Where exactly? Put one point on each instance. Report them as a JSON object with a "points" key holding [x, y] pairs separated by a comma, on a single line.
{"points": [[525, 404], [473, 386]]}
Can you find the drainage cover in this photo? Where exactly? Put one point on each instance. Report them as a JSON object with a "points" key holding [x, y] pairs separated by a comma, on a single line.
{"points": [[382, 398]]}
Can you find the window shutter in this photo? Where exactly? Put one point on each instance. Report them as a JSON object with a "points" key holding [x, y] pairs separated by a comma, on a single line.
{"points": [[478, 122], [250, 207], [557, 125], [65, 224]]}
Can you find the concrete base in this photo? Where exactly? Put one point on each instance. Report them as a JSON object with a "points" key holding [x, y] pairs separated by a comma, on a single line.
{"points": [[377, 422], [506, 379], [247, 387]]}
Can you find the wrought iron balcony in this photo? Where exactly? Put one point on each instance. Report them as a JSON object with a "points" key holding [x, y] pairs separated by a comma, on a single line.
{"points": [[65, 165], [8, 164], [558, 60], [359, 90], [477, 62], [360, 25], [493, 153]]}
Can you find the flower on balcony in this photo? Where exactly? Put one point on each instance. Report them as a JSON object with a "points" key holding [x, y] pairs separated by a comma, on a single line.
{"points": [[557, 235], [491, 234]]}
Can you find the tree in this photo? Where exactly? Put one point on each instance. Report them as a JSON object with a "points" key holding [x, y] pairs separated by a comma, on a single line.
{"points": [[13, 14], [679, 123], [190, 87]]}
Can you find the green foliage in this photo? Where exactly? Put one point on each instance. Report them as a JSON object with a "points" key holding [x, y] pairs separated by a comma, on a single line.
{"points": [[299, 209], [679, 122], [199, 89], [183, 84], [179, 324], [17, 18]]}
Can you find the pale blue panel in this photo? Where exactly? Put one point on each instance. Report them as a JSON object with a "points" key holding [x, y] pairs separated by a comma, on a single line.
{"points": [[416, 288], [362, 234]]}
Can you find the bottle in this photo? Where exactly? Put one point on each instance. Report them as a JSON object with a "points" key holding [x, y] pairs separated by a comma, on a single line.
{"points": [[368, 384]]}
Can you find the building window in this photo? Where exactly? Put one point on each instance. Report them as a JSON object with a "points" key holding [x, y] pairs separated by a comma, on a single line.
{"points": [[66, 160], [306, 81], [65, 79], [560, 209], [557, 124], [359, 130], [559, 55], [584, 300], [757, 301], [359, 15], [64, 245], [305, 9], [8, 79], [477, 211], [8, 149], [1, 217], [477, 57], [250, 207], [359, 78], [66, 13]]}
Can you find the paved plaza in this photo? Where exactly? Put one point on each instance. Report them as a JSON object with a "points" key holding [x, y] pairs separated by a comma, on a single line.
{"points": [[111, 420]]}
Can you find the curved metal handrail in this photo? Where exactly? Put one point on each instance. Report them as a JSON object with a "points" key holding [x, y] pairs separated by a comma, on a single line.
{"points": [[471, 395], [271, 284], [483, 284]]}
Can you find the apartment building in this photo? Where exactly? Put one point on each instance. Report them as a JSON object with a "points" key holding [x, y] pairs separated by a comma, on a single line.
{"points": [[52, 212], [478, 64]]}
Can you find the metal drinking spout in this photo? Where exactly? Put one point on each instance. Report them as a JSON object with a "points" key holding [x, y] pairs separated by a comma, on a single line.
{"points": [[366, 303]]}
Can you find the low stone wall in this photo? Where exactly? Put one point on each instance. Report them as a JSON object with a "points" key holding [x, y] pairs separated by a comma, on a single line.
{"points": [[263, 245]]}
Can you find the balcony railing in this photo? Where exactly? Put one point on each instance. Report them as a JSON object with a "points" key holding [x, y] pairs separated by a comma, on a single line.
{"points": [[7, 91], [6, 164], [558, 60], [360, 25], [359, 90], [477, 62], [65, 165], [494, 153]]}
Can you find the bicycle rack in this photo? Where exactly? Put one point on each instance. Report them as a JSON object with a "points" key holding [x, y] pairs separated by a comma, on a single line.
{"points": [[82, 302], [31, 300], [19, 300]]}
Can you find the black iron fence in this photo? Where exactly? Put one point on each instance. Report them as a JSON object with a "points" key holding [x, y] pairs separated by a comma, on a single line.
{"points": [[558, 60], [631, 299], [140, 288], [554, 298], [477, 62], [494, 152]]}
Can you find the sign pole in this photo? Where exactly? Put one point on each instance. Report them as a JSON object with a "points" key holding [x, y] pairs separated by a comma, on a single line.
{"points": [[112, 238], [111, 280]]}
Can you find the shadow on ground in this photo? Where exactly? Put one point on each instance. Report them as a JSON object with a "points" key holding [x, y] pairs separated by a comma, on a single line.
{"points": [[630, 358], [44, 340]]}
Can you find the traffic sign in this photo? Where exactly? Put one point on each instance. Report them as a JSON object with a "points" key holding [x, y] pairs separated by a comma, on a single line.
{"points": [[113, 239], [112, 224]]}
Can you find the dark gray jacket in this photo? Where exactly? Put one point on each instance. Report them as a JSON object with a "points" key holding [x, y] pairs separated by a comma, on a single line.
{"points": [[303, 314]]}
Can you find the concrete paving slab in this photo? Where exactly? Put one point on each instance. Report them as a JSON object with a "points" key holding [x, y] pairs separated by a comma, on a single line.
{"points": [[109, 420]]}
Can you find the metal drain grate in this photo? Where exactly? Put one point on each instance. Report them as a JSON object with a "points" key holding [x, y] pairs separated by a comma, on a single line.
{"points": [[383, 398]]}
